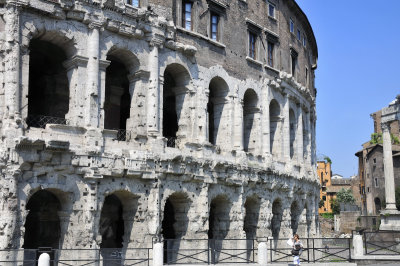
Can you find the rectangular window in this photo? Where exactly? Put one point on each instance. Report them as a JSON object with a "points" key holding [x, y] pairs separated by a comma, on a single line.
{"points": [[306, 76], [324, 198], [187, 15], [291, 26], [376, 182], [134, 3], [214, 27], [271, 10], [304, 40], [252, 45], [270, 60], [298, 35]]}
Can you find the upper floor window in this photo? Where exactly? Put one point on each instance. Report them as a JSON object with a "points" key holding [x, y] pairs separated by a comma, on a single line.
{"points": [[304, 40], [187, 15], [306, 76], [134, 3], [252, 44], [214, 26], [293, 56], [270, 55], [271, 10], [298, 35], [291, 26]]}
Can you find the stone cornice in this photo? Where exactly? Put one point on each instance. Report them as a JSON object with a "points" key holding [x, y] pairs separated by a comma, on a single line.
{"points": [[75, 61]]}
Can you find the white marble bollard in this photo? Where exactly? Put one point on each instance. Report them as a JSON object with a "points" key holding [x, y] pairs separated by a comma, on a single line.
{"points": [[262, 253], [358, 245], [44, 260], [158, 254]]}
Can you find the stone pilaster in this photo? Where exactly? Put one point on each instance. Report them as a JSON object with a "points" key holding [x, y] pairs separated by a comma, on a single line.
{"points": [[286, 130], [92, 80], [299, 135], [238, 124], [265, 126], [153, 93], [103, 64]]}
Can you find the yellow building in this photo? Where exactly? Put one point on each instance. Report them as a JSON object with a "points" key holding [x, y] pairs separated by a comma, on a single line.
{"points": [[325, 176]]}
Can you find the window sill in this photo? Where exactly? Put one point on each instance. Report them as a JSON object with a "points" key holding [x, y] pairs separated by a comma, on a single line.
{"points": [[248, 58], [131, 6], [272, 18], [271, 68], [198, 35]]}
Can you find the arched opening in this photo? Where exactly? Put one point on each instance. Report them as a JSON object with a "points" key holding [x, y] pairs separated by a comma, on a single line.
{"points": [[176, 79], [305, 136], [42, 225], [275, 128], [117, 100], [293, 128], [252, 207], [174, 224], [215, 108], [250, 101], [294, 215], [378, 205], [277, 212], [111, 223], [48, 90]]}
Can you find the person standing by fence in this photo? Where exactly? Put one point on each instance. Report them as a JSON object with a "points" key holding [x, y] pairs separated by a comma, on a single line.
{"points": [[297, 248]]}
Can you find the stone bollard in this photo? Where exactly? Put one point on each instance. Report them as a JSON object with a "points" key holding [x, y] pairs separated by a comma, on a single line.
{"points": [[262, 253], [44, 260], [158, 254], [358, 245]]}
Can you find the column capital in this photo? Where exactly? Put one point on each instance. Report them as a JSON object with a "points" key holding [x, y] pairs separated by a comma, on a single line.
{"points": [[385, 126], [139, 75], [75, 61]]}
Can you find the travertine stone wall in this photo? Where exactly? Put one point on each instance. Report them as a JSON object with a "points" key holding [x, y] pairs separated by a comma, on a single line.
{"points": [[236, 181]]}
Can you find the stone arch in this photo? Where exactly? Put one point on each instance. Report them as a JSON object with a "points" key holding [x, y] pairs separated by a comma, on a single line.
{"points": [[119, 87], [295, 212], [218, 91], [252, 207], [277, 213], [275, 124], [42, 224], [176, 81], [48, 84], [378, 205], [250, 108], [174, 223], [293, 130], [219, 221], [118, 211]]}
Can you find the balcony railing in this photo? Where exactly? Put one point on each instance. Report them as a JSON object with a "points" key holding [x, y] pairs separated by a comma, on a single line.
{"points": [[40, 121], [171, 142]]}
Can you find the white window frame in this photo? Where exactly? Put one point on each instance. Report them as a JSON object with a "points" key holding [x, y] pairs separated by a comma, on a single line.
{"points": [[270, 5], [291, 25]]}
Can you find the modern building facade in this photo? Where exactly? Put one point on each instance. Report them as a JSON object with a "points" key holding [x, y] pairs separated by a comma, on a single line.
{"points": [[123, 122]]}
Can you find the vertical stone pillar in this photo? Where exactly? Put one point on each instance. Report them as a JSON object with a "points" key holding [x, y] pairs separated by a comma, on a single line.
{"points": [[12, 60], [103, 64], [265, 127], [238, 124], [286, 130], [153, 93], [388, 168], [308, 132], [299, 136], [76, 73], [92, 80]]}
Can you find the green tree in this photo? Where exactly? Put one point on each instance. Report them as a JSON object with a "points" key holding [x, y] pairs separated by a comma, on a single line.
{"points": [[376, 138], [335, 206], [345, 196], [321, 203], [328, 160]]}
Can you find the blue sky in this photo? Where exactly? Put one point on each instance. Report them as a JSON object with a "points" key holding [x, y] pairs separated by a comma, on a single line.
{"points": [[358, 72]]}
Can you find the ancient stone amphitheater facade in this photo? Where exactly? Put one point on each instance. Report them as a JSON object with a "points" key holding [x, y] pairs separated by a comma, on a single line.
{"points": [[128, 121]]}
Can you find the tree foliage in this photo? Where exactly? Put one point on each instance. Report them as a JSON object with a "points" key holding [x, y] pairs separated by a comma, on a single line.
{"points": [[335, 206], [345, 196], [328, 160], [376, 138], [321, 203]]}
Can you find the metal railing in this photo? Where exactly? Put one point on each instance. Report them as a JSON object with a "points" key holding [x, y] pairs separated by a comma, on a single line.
{"points": [[78, 257], [209, 251], [314, 250], [40, 121], [123, 135], [382, 242]]}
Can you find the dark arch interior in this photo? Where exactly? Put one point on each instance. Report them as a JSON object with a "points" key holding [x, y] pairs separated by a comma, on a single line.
{"points": [[117, 101], [170, 117], [251, 218], [274, 112], [377, 205], [42, 226], [48, 92], [215, 106], [276, 218], [219, 218], [112, 223], [292, 122], [249, 106], [295, 215]]}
